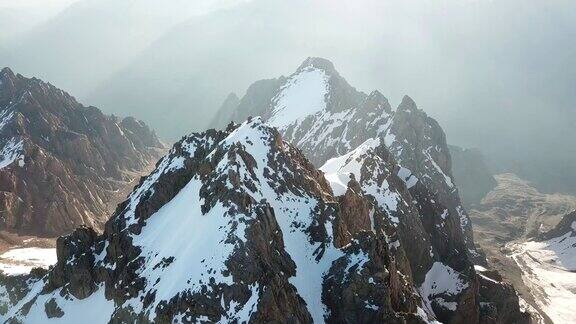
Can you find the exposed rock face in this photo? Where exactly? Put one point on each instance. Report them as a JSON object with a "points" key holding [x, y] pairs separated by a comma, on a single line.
{"points": [[254, 102], [62, 164], [473, 177], [566, 225], [376, 171], [498, 300]]}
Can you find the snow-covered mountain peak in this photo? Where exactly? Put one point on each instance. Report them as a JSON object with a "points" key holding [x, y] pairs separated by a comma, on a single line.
{"points": [[327, 118], [398, 161], [304, 94], [258, 223], [238, 225]]}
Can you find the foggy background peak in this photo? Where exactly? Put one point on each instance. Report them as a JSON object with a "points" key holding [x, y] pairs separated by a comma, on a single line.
{"points": [[497, 75]]}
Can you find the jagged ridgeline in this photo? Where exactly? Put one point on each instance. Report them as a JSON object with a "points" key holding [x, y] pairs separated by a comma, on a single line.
{"points": [[288, 217], [319, 112], [63, 165]]}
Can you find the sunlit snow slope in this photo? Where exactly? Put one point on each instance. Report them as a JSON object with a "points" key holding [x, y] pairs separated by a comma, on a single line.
{"points": [[549, 269]]}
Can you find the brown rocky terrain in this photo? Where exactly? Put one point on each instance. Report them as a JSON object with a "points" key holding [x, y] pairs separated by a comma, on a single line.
{"points": [[62, 164], [516, 210]]}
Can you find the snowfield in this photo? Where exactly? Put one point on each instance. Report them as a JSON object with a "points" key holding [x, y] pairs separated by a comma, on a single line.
{"points": [[302, 95], [337, 170], [549, 269], [21, 260]]}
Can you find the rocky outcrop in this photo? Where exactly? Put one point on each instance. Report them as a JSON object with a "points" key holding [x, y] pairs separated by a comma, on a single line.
{"points": [[354, 217], [473, 177], [498, 300], [62, 164], [566, 225]]}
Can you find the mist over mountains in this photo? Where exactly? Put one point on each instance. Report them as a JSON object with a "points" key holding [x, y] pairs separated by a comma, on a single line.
{"points": [[18, 17], [90, 40], [307, 161], [486, 70]]}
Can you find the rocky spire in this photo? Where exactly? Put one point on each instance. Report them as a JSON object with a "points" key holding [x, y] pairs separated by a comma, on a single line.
{"points": [[407, 104]]}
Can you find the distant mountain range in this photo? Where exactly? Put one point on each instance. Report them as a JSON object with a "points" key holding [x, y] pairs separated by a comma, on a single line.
{"points": [[62, 164], [179, 68]]}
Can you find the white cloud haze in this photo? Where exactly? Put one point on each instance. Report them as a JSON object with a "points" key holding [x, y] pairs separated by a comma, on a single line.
{"points": [[498, 75]]}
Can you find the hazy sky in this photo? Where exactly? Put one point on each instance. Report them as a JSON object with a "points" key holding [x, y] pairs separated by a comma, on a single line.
{"points": [[19, 16], [83, 42], [498, 75], [38, 4]]}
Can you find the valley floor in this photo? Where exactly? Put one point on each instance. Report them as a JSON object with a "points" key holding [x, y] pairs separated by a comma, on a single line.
{"points": [[20, 254], [504, 223]]}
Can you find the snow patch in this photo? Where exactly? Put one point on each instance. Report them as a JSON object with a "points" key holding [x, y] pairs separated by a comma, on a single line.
{"points": [[406, 175], [337, 170], [441, 281], [10, 152], [22, 260], [174, 241], [549, 269], [94, 309]]}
